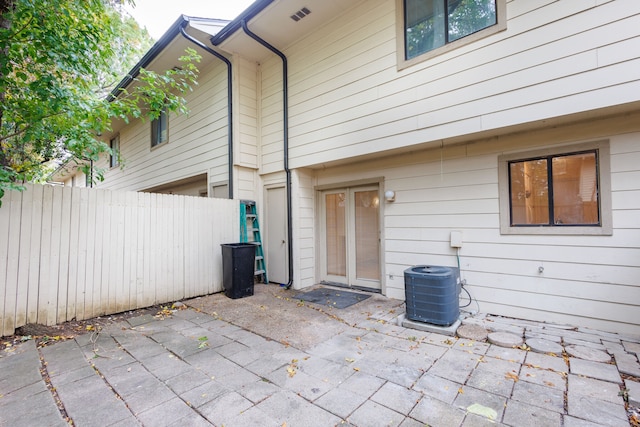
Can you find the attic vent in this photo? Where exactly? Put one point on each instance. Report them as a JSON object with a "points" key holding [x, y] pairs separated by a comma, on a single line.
{"points": [[300, 14]]}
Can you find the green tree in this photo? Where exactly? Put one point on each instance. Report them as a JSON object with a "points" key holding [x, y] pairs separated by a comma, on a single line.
{"points": [[58, 61]]}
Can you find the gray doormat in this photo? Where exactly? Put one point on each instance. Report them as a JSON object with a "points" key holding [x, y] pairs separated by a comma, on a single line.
{"points": [[332, 297]]}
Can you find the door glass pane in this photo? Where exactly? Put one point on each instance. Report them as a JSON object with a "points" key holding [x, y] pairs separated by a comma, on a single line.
{"points": [[575, 189], [366, 220], [529, 192], [336, 239]]}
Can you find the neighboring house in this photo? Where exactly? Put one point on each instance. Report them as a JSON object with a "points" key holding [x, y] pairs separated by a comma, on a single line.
{"points": [[69, 175], [502, 136]]}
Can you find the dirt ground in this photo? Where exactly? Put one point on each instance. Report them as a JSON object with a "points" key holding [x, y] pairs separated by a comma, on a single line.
{"points": [[68, 330]]}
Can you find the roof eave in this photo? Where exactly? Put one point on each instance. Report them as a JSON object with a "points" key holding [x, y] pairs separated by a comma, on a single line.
{"points": [[151, 54], [255, 8]]}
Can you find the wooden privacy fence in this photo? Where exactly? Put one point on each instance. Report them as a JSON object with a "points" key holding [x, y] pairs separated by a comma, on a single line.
{"points": [[76, 253]]}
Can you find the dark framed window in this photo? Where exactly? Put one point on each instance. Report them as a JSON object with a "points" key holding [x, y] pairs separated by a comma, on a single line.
{"points": [[432, 24], [557, 190], [114, 158], [159, 129]]}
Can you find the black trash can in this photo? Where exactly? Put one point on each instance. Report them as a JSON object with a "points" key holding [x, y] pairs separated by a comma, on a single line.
{"points": [[238, 262], [432, 294]]}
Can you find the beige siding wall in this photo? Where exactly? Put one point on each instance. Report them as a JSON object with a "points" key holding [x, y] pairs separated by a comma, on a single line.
{"points": [[197, 141], [304, 228], [587, 280], [348, 99], [246, 98]]}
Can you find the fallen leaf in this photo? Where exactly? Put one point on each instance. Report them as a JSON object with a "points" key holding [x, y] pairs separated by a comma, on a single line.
{"points": [[356, 369], [484, 411], [349, 360], [460, 390], [512, 376], [291, 370], [549, 383]]}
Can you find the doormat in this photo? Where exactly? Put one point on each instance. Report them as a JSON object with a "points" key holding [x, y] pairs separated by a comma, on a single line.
{"points": [[332, 297]]}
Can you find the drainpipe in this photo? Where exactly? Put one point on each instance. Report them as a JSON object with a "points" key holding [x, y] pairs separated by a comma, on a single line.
{"points": [[285, 122], [229, 98]]}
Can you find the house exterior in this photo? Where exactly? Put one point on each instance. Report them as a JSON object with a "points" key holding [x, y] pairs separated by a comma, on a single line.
{"points": [[500, 136]]}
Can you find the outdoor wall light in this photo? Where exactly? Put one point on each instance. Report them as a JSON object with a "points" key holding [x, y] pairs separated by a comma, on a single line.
{"points": [[390, 196]]}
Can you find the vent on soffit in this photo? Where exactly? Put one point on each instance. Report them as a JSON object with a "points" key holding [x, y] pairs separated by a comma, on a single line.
{"points": [[300, 14]]}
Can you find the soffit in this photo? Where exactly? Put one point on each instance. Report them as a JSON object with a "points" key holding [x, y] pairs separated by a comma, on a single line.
{"points": [[275, 25]]}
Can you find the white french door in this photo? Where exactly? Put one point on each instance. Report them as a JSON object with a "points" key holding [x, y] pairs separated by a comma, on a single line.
{"points": [[350, 252]]}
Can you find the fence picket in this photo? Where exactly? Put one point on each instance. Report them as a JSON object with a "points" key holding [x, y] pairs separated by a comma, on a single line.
{"points": [[79, 252]]}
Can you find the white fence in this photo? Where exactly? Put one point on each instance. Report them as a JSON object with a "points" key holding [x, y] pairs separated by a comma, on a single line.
{"points": [[77, 253]]}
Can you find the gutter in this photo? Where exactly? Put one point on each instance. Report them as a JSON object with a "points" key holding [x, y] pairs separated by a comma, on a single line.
{"points": [[255, 8], [285, 122], [229, 96], [148, 57]]}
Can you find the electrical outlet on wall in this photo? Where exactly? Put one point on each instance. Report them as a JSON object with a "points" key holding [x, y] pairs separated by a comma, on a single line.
{"points": [[456, 239]]}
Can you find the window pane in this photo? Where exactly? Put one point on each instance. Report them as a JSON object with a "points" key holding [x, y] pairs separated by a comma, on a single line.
{"points": [[159, 129], [575, 189], [529, 192], [115, 151], [336, 234], [367, 242], [469, 16], [424, 26]]}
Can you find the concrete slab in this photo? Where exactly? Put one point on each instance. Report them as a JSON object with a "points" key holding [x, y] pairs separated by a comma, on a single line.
{"points": [[597, 411], [428, 327], [597, 389], [588, 353], [520, 414], [543, 346], [472, 332], [601, 371], [633, 390], [505, 339]]}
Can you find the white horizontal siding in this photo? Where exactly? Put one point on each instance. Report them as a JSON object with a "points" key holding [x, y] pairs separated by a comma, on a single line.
{"points": [[347, 98], [197, 141], [585, 280]]}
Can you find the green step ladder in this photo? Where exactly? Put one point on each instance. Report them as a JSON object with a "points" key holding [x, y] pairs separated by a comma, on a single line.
{"points": [[250, 233]]}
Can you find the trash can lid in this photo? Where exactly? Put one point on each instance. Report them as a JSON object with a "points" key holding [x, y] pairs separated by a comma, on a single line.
{"points": [[430, 270]]}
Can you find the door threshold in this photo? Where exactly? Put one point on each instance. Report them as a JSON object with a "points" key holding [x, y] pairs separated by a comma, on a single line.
{"points": [[355, 288]]}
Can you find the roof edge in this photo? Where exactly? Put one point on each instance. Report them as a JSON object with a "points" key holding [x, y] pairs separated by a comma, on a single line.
{"points": [[151, 54], [255, 8]]}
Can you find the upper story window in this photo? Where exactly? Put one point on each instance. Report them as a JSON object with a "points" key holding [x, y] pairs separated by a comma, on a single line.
{"points": [[114, 158], [556, 191], [431, 27], [159, 129]]}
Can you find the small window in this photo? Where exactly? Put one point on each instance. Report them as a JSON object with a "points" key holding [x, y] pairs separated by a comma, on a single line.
{"points": [[159, 134], [438, 25], [556, 190], [114, 158]]}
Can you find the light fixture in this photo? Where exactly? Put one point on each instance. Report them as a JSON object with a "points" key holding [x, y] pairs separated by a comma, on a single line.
{"points": [[390, 196]]}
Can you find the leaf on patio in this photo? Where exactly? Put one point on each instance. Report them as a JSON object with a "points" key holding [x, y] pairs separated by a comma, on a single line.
{"points": [[512, 376], [484, 411], [348, 359]]}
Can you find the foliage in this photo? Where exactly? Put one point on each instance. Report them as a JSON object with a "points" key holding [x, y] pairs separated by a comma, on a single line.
{"points": [[58, 60]]}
